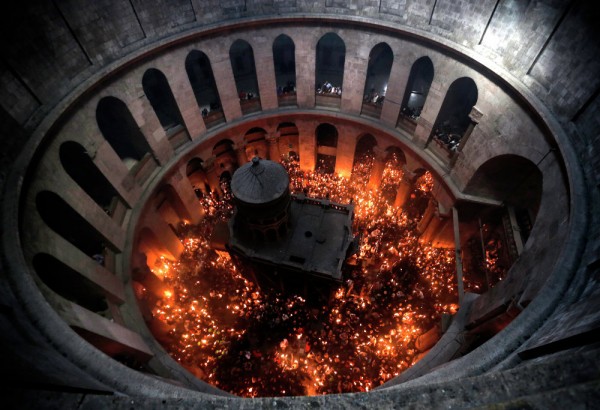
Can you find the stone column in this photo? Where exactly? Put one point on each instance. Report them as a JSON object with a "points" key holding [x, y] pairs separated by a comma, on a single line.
{"points": [[405, 188], [273, 142], [265, 71], [458, 257], [183, 93], [305, 68], [165, 235], [430, 111], [230, 99], [212, 176], [187, 196], [395, 91], [355, 73], [345, 153], [307, 142], [378, 168], [240, 153], [146, 118], [475, 116]]}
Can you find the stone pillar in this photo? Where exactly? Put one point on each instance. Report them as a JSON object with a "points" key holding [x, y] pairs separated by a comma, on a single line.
{"points": [[165, 235], [212, 176], [475, 116], [395, 91], [305, 68], [187, 196], [265, 71], [307, 142], [146, 118], [430, 111], [405, 188], [355, 73], [223, 74], [378, 168], [427, 216], [458, 257], [183, 93], [345, 153], [240, 153], [273, 142]]}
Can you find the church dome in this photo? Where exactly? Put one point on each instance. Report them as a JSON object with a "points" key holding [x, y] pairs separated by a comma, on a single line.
{"points": [[259, 182]]}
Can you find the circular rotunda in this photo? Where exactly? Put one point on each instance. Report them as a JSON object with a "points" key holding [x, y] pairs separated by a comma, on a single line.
{"points": [[468, 132]]}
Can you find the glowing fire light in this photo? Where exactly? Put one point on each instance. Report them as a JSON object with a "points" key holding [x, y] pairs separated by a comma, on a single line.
{"points": [[226, 332]]}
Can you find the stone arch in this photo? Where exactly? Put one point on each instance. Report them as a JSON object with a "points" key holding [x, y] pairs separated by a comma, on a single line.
{"points": [[417, 88], [196, 174], [121, 131], [69, 224], [330, 59], [289, 139], [256, 143], [80, 167], [453, 118], [204, 86], [243, 65], [158, 91], [284, 59], [68, 283], [326, 136], [379, 68], [512, 179]]}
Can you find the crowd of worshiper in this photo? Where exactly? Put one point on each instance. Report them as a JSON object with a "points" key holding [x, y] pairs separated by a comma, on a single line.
{"points": [[224, 330]]}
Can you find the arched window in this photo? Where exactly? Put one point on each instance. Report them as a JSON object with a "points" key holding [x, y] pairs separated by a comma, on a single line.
{"points": [[69, 283], [202, 80], [256, 143], [326, 136], [288, 140], [363, 158], [453, 119], [197, 176], [284, 59], [120, 129], [80, 167], [65, 221], [157, 90], [244, 73], [378, 75], [329, 73], [417, 88]]}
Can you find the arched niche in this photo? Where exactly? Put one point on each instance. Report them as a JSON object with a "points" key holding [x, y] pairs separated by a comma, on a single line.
{"points": [[288, 139], [453, 118], [121, 131], [515, 181], [364, 156], [196, 174], [68, 283], [241, 56], [326, 136], [381, 58], [225, 156], [329, 71], [202, 81], [417, 88], [158, 91], [80, 167], [284, 59], [65, 221], [256, 143]]}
